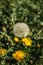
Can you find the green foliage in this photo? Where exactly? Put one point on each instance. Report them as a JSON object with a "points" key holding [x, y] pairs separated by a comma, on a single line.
{"points": [[30, 12]]}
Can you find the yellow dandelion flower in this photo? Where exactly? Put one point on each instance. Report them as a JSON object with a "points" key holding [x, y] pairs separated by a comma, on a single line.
{"points": [[26, 41], [18, 55], [2, 51], [16, 39]]}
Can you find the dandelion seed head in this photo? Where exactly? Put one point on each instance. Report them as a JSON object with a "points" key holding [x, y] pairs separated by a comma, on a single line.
{"points": [[21, 30]]}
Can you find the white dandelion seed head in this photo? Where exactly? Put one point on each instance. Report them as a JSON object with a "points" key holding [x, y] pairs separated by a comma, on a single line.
{"points": [[21, 30]]}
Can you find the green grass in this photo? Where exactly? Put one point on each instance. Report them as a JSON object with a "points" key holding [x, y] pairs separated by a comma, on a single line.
{"points": [[29, 12]]}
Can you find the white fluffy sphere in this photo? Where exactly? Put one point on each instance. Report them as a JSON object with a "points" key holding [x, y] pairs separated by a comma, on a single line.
{"points": [[21, 30]]}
